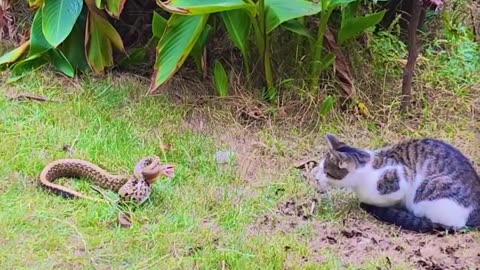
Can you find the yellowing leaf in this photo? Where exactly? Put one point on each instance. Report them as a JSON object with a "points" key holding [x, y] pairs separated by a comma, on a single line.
{"points": [[362, 109], [14, 54], [99, 39], [35, 3]]}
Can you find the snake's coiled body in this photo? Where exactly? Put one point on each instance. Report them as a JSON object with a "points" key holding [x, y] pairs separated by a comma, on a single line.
{"points": [[136, 187]]}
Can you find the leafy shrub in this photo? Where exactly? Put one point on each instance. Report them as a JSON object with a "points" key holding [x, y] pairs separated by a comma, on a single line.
{"points": [[77, 35]]}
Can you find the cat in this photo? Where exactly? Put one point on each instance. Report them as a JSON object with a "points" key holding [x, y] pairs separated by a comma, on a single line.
{"points": [[422, 185]]}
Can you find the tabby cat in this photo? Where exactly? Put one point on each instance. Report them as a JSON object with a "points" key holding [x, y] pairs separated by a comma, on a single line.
{"points": [[421, 185]]}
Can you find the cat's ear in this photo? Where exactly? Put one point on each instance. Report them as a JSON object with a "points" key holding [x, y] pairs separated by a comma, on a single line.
{"points": [[333, 142], [345, 159]]}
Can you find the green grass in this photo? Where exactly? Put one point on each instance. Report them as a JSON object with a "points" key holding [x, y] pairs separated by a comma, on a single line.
{"points": [[200, 217]]}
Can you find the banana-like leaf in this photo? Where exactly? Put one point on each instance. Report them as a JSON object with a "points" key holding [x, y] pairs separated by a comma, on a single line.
{"points": [[25, 66], [38, 43], [61, 63], [180, 36], [59, 16], [196, 7], [14, 54], [280, 11], [296, 27], [356, 25], [238, 24], [158, 25], [74, 45], [115, 7], [99, 40]]}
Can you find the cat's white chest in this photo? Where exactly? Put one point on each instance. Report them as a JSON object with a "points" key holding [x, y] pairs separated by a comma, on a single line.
{"points": [[367, 191]]}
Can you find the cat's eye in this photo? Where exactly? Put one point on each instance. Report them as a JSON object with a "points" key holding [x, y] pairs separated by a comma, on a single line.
{"points": [[330, 175]]}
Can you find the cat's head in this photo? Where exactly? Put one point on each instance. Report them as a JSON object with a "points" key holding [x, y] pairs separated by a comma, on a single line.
{"points": [[340, 162]]}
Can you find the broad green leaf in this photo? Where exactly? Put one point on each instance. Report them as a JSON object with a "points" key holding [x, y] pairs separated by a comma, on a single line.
{"points": [[158, 25], [180, 36], [326, 106], [115, 7], [14, 54], [61, 63], [196, 7], [98, 46], [25, 66], [197, 50], [59, 16], [280, 11], [38, 43], [327, 61], [238, 24], [296, 27], [220, 78], [74, 45], [354, 26]]}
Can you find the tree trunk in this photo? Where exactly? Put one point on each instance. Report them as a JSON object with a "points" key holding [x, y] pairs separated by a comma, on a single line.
{"points": [[415, 13]]}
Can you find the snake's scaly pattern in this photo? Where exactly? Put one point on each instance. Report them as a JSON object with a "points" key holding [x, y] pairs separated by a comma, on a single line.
{"points": [[135, 187]]}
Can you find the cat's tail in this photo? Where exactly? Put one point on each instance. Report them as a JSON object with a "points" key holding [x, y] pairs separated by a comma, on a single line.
{"points": [[403, 218]]}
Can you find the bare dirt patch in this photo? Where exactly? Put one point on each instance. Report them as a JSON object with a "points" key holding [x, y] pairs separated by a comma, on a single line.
{"points": [[357, 238]]}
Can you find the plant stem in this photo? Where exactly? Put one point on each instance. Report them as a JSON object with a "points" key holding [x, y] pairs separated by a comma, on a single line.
{"points": [[318, 47], [264, 44]]}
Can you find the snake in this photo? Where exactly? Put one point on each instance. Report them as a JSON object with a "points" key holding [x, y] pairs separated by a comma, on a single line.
{"points": [[136, 187]]}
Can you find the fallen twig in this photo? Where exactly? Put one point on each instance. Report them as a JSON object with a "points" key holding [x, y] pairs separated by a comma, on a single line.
{"points": [[26, 96]]}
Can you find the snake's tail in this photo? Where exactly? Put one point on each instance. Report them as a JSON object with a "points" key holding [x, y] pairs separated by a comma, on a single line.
{"points": [[64, 192]]}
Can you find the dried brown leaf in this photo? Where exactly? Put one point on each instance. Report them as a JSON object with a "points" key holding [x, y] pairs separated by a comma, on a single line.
{"points": [[342, 68]]}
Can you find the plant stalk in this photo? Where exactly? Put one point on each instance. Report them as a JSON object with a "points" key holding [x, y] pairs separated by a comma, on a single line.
{"points": [[318, 47], [263, 43]]}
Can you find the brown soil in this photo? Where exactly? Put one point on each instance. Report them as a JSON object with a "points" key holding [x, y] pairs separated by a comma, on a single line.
{"points": [[358, 238]]}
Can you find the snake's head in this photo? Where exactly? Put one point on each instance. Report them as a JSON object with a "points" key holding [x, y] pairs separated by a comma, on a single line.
{"points": [[151, 169]]}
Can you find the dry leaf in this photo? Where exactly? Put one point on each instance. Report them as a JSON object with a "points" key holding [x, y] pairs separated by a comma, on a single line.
{"points": [[24, 96], [342, 69], [166, 147], [124, 220]]}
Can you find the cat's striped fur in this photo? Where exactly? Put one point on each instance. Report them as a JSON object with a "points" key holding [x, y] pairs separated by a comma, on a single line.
{"points": [[421, 185]]}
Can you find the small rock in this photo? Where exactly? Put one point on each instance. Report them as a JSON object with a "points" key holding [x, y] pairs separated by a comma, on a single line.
{"points": [[223, 156]]}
